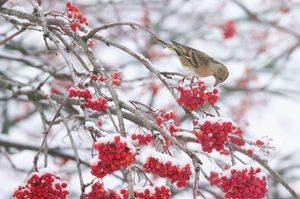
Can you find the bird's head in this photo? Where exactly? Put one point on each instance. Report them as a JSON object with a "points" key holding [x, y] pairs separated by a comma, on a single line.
{"points": [[220, 72]]}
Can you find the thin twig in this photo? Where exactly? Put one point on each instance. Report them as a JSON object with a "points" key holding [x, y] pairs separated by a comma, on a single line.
{"points": [[12, 36], [44, 120]]}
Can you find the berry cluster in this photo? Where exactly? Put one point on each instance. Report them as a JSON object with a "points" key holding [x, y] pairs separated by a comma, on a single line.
{"points": [[75, 17], [142, 138], [243, 181], [236, 137], [101, 78], [114, 152], [98, 192], [229, 29], [115, 78], [84, 93], [166, 119], [214, 178], [195, 94], [166, 166], [43, 184], [99, 104], [148, 192], [213, 133]]}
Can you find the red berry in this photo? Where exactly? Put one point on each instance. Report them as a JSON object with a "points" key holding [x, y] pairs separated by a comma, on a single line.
{"points": [[173, 129], [259, 143], [90, 44], [102, 78], [116, 82], [172, 114], [195, 122], [75, 8], [159, 120], [115, 75], [68, 4], [133, 136], [167, 116], [79, 16], [94, 77], [250, 151]]}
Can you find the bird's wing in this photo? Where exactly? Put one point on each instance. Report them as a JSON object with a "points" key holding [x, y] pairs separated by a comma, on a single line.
{"points": [[196, 57]]}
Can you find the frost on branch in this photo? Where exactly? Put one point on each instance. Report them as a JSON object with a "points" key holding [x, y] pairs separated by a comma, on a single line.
{"points": [[91, 126]]}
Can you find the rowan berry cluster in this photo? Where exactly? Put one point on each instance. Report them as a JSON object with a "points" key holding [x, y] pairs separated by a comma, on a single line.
{"points": [[243, 181], [115, 78], [84, 93], [148, 192], [98, 192], [229, 29], [98, 104], [194, 95], [43, 184], [214, 178], [114, 152], [75, 17], [166, 166], [142, 138], [237, 137], [212, 133], [166, 120]]}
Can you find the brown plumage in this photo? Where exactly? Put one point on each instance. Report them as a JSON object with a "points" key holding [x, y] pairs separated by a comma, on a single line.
{"points": [[197, 63]]}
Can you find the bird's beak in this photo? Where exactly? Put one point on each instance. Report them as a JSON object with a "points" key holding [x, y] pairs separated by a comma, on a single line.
{"points": [[216, 83]]}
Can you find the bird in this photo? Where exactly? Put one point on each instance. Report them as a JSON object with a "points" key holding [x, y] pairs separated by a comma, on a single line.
{"points": [[197, 63]]}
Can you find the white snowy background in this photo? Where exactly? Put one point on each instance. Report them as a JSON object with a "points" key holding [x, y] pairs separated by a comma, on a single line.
{"points": [[270, 101]]}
